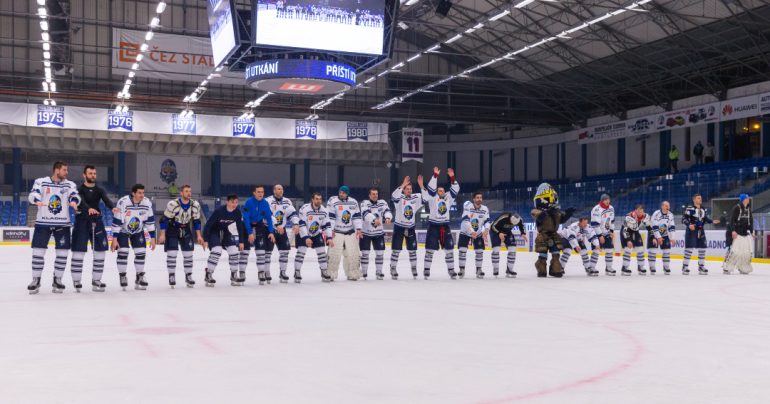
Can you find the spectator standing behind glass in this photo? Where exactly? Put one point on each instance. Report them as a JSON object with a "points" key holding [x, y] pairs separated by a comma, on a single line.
{"points": [[673, 158], [698, 152], [710, 153]]}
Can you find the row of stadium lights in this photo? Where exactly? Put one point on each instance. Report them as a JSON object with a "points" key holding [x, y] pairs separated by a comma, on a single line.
{"points": [[396, 68], [49, 86], [125, 93], [508, 56]]}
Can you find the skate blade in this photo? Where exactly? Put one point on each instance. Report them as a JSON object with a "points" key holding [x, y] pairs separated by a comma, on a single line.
{"points": [[137, 287], [57, 290], [625, 274], [210, 285], [235, 284], [97, 289], [284, 281], [642, 274], [77, 290], [172, 286], [34, 292], [190, 285], [261, 282], [297, 281]]}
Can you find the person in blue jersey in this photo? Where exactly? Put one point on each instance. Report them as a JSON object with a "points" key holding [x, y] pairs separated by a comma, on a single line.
{"points": [[53, 196], [225, 231], [439, 235], [258, 221]]}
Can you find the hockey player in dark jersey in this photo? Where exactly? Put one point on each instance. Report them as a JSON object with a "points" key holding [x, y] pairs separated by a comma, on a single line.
{"points": [[502, 232], [225, 231]]}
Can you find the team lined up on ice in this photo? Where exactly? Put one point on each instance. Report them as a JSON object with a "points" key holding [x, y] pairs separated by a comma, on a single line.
{"points": [[343, 227]]}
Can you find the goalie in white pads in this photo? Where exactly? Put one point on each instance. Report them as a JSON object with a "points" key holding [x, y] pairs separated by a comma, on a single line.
{"points": [[502, 232], [406, 204], [180, 228], [135, 215], [314, 224], [439, 235], [659, 239], [739, 251], [577, 236], [53, 196], [345, 216], [225, 231], [474, 229], [631, 238], [375, 213]]}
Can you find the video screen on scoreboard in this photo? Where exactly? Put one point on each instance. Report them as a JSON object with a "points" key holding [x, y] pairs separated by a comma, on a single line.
{"points": [[222, 29], [349, 26]]}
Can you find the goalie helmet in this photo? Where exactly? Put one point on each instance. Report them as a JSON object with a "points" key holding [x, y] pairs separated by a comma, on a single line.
{"points": [[631, 223], [545, 196]]}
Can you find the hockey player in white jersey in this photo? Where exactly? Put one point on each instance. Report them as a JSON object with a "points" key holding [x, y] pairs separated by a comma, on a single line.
{"points": [[439, 235], [314, 225], [345, 216], [284, 215], [603, 223], [631, 239], [375, 213], [474, 229], [576, 237], [180, 228], [659, 239], [53, 195], [405, 204], [135, 215]]}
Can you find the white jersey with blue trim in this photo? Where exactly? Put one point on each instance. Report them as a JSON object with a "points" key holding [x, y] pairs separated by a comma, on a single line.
{"points": [[663, 224], [133, 218], [603, 220], [372, 211], [406, 207], [574, 234], [439, 206], [313, 222], [283, 211], [475, 219], [344, 215], [56, 197]]}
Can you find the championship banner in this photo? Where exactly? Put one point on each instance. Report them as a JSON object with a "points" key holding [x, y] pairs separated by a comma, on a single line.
{"points": [[52, 117], [358, 131], [120, 121], [411, 144], [243, 127]]}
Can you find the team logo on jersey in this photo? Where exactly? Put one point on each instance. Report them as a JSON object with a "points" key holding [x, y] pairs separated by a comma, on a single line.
{"points": [[314, 227], [133, 224], [346, 216], [662, 228], [475, 224], [408, 212], [376, 217], [55, 204], [168, 171], [442, 208], [278, 217]]}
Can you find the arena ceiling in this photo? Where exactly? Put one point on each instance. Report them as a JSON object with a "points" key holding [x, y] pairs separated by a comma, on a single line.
{"points": [[647, 54]]}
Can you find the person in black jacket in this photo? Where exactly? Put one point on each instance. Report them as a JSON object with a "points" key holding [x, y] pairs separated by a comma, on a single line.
{"points": [[225, 230], [741, 229], [502, 233], [89, 227]]}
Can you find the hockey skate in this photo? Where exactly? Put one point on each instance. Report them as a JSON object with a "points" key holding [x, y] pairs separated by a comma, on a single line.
{"points": [[235, 280], [414, 273], [98, 286], [452, 274], [480, 274], [625, 271], [77, 285], [703, 271], [325, 277], [140, 283], [268, 278], [642, 271], [666, 271], [610, 272], [685, 271], [393, 274], [593, 272], [209, 279], [380, 276], [495, 272], [282, 276], [242, 277], [262, 277], [541, 267], [510, 273], [172, 280], [58, 287], [188, 279], [461, 274], [364, 274], [34, 286], [298, 276], [123, 280], [652, 271], [426, 274]]}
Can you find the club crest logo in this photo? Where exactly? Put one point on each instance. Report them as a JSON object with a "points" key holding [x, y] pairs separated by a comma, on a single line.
{"points": [[346, 217], [55, 204], [278, 217], [376, 217], [442, 208], [314, 227], [408, 212], [133, 224], [475, 224], [168, 173]]}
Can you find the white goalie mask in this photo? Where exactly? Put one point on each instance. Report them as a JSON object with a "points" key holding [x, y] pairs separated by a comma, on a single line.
{"points": [[631, 223]]}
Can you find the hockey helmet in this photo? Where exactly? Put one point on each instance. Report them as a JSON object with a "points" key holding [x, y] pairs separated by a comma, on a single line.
{"points": [[632, 223], [545, 196]]}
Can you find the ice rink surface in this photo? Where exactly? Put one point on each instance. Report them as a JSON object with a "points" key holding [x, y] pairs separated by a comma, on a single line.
{"points": [[654, 339]]}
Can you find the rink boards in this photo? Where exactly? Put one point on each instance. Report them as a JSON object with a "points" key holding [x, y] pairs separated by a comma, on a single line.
{"points": [[715, 240]]}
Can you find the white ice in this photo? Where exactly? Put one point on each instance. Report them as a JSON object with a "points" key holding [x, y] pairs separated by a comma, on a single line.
{"points": [[654, 339]]}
